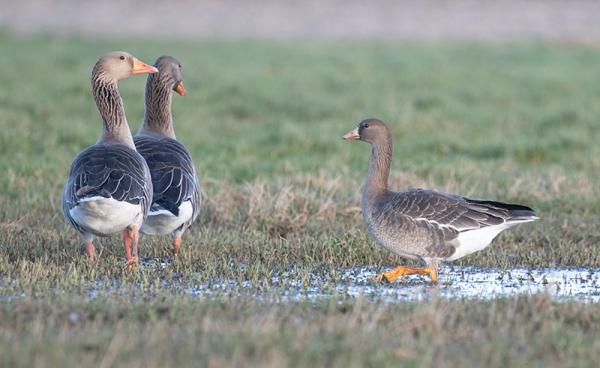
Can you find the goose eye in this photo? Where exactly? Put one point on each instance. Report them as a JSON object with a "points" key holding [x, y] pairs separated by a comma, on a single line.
{"points": [[366, 125], [122, 57]]}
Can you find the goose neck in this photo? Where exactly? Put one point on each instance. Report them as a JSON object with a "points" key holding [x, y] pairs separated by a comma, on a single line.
{"points": [[158, 117], [110, 105], [379, 168]]}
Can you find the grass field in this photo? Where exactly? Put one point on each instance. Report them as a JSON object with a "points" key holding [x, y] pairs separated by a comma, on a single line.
{"points": [[264, 123]]}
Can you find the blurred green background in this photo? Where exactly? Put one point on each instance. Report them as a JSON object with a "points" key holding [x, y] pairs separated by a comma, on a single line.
{"points": [[487, 100]]}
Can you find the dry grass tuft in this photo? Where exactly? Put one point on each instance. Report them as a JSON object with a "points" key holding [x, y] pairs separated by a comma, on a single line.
{"points": [[281, 207]]}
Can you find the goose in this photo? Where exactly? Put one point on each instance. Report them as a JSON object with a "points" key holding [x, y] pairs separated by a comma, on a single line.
{"points": [[109, 188], [176, 199], [425, 224]]}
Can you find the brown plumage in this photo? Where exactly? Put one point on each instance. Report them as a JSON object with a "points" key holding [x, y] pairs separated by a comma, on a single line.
{"points": [[109, 188], [425, 224], [177, 197]]}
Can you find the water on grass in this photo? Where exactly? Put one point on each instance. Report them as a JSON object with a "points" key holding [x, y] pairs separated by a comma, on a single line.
{"points": [[454, 283]]}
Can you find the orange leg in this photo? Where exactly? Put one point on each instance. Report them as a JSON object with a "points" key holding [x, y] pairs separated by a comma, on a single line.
{"points": [[90, 250], [131, 234], [176, 245], [397, 272], [135, 236]]}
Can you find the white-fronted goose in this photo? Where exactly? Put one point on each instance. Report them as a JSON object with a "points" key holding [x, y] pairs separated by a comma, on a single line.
{"points": [[109, 188], [177, 197], [425, 224]]}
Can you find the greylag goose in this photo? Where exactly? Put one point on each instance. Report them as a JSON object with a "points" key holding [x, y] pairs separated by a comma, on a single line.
{"points": [[109, 188], [425, 224], [177, 197]]}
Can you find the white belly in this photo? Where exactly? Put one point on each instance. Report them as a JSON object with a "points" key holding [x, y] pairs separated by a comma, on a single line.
{"points": [[163, 222], [106, 216], [475, 240]]}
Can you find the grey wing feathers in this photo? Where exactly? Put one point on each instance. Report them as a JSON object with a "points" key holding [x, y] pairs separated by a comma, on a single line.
{"points": [[428, 222], [110, 171], [459, 213], [173, 174]]}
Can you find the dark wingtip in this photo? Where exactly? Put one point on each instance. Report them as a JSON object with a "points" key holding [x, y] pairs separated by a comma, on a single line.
{"points": [[517, 212], [507, 206]]}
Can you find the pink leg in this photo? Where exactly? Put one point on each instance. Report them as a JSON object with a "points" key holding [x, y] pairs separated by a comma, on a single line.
{"points": [[90, 250], [135, 235], [128, 237]]}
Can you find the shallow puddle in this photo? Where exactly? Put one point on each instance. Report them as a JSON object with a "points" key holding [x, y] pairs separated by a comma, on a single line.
{"points": [[454, 283], [476, 283]]}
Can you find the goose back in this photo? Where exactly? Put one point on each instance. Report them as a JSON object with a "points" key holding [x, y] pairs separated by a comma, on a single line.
{"points": [[173, 174], [110, 171], [429, 224]]}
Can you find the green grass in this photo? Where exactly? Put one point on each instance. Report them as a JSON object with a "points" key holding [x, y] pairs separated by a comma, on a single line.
{"points": [[263, 121]]}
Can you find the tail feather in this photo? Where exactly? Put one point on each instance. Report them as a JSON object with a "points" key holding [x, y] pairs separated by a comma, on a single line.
{"points": [[160, 205], [91, 191]]}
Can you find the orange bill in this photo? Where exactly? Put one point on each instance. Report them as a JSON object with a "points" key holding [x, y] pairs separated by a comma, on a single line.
{"points": [[180, 89], [140, 67], [352, 135]]}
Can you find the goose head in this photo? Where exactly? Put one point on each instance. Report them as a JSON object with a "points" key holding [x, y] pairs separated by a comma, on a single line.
{"points": [[370, 131], [117, 65], [169, 74]]}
